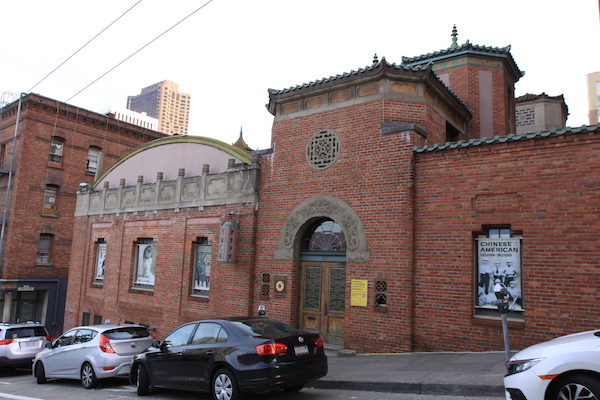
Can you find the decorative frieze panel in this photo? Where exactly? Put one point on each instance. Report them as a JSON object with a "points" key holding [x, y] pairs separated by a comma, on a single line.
{"points": [[323, 206], [237, 185]]}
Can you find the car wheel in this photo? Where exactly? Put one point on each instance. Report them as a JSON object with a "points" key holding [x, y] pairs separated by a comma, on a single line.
{"points": [[224, 386], [40, 373], [142, 381], [577, 387], [294, 389], [88, 376]]}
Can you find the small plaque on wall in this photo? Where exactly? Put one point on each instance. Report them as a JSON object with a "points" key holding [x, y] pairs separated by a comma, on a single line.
{"points": [[358, 292], [280, 286]]}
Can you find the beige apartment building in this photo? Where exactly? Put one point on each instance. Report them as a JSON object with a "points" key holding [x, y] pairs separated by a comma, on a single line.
{"points": [[593, 86], [164, 101]]}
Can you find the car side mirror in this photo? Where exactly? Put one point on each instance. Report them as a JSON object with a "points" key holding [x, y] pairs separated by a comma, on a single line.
{"points": [[48, 345], [156, 344]]}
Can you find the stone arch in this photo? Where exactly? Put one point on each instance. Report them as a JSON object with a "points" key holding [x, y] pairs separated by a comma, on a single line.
{"points": [[323, 206]]}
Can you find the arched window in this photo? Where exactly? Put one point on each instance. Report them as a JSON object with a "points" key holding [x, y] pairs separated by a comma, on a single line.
{"points": [[325, 235]]}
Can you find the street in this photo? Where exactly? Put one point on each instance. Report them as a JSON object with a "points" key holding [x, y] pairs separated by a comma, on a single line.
{"points": [[20, 385]]}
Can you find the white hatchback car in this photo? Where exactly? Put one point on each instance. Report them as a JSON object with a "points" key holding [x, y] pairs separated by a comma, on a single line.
{"points": [[91, 352], [565, 368], [20, 342]]}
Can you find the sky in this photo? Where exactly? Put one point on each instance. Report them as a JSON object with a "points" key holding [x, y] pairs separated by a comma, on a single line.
{"points": [[228, 53]]}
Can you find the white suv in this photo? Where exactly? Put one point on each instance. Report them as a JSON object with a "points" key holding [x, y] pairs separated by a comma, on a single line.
{"points": [[565, 368], [20, 342]]}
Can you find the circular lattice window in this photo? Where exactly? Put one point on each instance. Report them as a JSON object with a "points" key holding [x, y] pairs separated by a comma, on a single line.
{"points": [[323, 149]]}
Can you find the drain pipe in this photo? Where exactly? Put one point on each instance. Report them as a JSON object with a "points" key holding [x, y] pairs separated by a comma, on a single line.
{"points": [[10, 172]]}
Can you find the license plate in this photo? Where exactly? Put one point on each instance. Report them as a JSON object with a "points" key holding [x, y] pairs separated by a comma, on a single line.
{"points": [[301, 350], [28, 344]]}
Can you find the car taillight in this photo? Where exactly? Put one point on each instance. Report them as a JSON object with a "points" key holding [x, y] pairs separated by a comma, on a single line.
{"points": [[49, 338], [6, 341], [105, 344], [271, 349], [319, 342]]}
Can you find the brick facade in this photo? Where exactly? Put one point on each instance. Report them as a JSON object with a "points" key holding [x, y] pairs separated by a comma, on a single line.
{"points": [[40, 120], [402, 160]]}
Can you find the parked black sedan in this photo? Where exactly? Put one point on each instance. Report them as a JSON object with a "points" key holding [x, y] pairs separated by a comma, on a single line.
{"points": [[231, 356]]}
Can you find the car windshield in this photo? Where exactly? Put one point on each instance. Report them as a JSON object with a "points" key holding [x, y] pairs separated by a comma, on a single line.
{"points": [[263, 326], [26, 332], [127, 332]]}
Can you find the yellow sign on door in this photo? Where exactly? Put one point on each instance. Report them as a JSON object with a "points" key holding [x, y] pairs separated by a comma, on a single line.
{"points": [[358, 292]]}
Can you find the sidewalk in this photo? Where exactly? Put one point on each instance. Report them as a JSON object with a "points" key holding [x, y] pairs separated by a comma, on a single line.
{"points": [[459, 374]]}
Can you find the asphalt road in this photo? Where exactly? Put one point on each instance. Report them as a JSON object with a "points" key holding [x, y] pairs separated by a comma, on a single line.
{"points": [[20, 385]]}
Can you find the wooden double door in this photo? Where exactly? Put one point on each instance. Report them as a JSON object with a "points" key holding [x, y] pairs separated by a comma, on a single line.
{"points": [[322, 300]]}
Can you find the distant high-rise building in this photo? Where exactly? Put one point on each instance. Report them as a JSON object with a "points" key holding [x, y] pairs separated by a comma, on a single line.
{"points": [[164, 101], [593, 85]]}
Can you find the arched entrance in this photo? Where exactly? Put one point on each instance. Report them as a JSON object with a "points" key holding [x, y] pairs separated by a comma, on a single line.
{"points": [[322, 233], [323, 280]]}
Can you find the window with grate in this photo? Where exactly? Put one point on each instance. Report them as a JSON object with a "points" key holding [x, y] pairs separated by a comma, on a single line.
{"points": [[323, 149], [381, 293], [324, 236], [265, 287]]}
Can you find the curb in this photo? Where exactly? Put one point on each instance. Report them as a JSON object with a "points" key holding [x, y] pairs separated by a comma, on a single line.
{"points": [[415, 388]]}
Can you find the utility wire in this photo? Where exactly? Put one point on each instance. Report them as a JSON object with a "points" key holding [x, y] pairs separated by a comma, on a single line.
{"points": [[140, 49], [81, 48]]}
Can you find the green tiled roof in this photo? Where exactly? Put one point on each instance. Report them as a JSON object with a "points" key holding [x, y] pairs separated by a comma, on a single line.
{"points": [[466, 48], [374, 69], [508, 138]]}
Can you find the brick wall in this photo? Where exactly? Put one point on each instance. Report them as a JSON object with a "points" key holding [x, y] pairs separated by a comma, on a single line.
{"points": [[373, 174], [41, 119], [545, 188], [171, 302]]}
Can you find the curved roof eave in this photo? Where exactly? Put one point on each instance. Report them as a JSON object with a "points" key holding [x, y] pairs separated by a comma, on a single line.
{"points": [[382, 67], [229, 149], [467, 48]]}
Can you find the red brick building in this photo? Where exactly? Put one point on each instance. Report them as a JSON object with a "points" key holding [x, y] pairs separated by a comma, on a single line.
{"points": [[393, 198], [47, 149]]}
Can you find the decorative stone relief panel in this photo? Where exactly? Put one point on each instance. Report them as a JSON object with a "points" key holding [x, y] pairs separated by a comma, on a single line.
{"points": [[147, 195], [167, 193], [216, 187], [128, 199], [318, 207], [112, 201], [235, 181], [190, 190], [96, 202]]}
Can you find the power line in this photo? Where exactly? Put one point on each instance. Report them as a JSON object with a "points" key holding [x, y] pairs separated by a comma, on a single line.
{"points": [[71, 56], [140, 49]]}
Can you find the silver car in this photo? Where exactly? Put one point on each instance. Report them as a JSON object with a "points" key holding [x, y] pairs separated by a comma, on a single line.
{"points": [[20, 342], [91, 352]]}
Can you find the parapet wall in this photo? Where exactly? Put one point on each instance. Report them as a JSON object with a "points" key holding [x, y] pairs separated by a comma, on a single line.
{"points": [[236, 185]]}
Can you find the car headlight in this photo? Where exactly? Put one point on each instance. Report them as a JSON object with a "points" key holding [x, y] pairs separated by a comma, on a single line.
{"points": [[514, 367]]}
